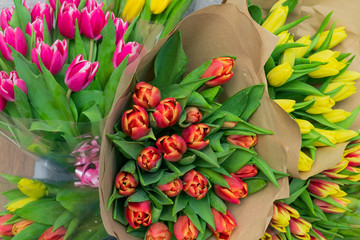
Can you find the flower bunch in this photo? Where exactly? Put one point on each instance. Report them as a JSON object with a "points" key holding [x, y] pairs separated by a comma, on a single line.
{"points": [[182, 154]]}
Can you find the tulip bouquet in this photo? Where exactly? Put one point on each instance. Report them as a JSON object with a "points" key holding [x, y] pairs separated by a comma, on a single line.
{"points": [[44, 211], [306, 79], [182, 153]]}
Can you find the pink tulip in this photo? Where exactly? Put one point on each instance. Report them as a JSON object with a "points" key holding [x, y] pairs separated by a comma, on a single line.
{"points": [[16, 39], [53, 3], [120, 26], [92, 20], [7, 83], [2, 103], [53, 57], [43, 9], [122, 50], [68, 14], [37, 27], [80, 73], [5, 17]]}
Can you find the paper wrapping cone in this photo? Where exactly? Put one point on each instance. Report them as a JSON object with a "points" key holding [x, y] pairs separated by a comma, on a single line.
{"points": [[208, 33]]}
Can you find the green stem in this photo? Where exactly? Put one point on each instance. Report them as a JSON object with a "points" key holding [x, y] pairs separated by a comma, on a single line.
{"points": [[91, 49], [68, 94]]}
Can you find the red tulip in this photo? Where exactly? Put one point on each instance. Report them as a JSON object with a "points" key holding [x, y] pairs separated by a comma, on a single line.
{"points": [[40, 10], [36, 27], [7, 83], [242, 141], [158, 231], [184, 229], [58, 234], [196, 185], [67, 17], [5, 17], [2, 103], [238, 189], [149, 158], [16, 39], [194, 136], [138, 213], [92, 20], [247, 171], [221, 69], [224, 224], [135, 123], [353, 155], [126, 183], [320, 234], [6, 230], [120, 26], [21, 225], [173, 147], [146, 95], [193, 115], [322, 188], [172, 188], [328, 208], [167, 113]]}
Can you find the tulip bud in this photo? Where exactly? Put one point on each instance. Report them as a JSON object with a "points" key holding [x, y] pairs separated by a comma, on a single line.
{"points": [[92, 20], [344, 135], [332, 67], [53, 57], [138, 213], [32, 188], [67, 17], [158, 231], [338, 36], [221, 69], [167, 113], [5, 17], [288, 55], [279, 74], [292, 211], [172, 188], [277, 5], [242, 140], [300, 52], [347, 76], [173, 147], [53, 3], [184, 229], [276, 19], [339, 167], [135, 122], [131, 49], [80, 73], [49, 234], [347, 89], [149, 159], [305, 162], [305, 126], [196, 185], [300, 228], [356, 176], [280, 219], [322, 188], [286, 104], [132, 9], [328, 208], [19, 204], [2, 103], [126, 183], [336, 115], [21, 225], [193, 115], [224, 224], [16, 39], [7, 83], [238, 189], [120, 26], [36, 27], [283, 37], [329, 134], [146, 95], [247, 171], [40, 10], [6, 230], [321, 104], [158, 6], [194, 136], [353, 156]]}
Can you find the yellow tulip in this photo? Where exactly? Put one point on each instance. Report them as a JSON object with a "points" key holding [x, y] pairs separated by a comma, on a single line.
{"points": [[300, 52], [158, 6], [348, 89], [277, 5], [132, 9], [32, 188], [286, 104], [19, 204], [266, 236], [283, 37], [344, 135], [332, 67], [340, 193], [330, 135], [336, 115], [347, 76], [276, 19], [305, 162], [338, 36], [305, 126], [324, 56], [321, 104], [279, 74], [289, 55]]}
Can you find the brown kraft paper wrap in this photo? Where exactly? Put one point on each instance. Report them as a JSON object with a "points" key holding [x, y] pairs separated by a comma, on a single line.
{"points": [[345, 13], [211, 32]]}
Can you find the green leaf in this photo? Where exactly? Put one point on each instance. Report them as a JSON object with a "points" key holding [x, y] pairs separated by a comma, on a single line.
{"points": [[318, 118], [265, 169], [63, 219], [255, 185], [13, 195], [131, 150], [93, 114], [196, 74], [245, 126], [238, 159], [300, 88], [129, 166], [215, 143], [115, 195], [23, 15], [291, 4], [71, 229], [79, 44], [22, 103], [297, 186], [173, 58], [119, 211], [150, 178], [305, 197], [304, 105], [199, 101], [139, 196], [326, 43], [167, 216], [181, 202], [159, 198], [32, 232], [193, 217], [349, 120], [323, 25], [254, 96], [212, 93], [166, 178], [87, 98], [217, 202], [207, 154], [202, 208], [11, 178], [214, 177], [281, 48], [290, 25], [255, 12], [331, 201]]}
